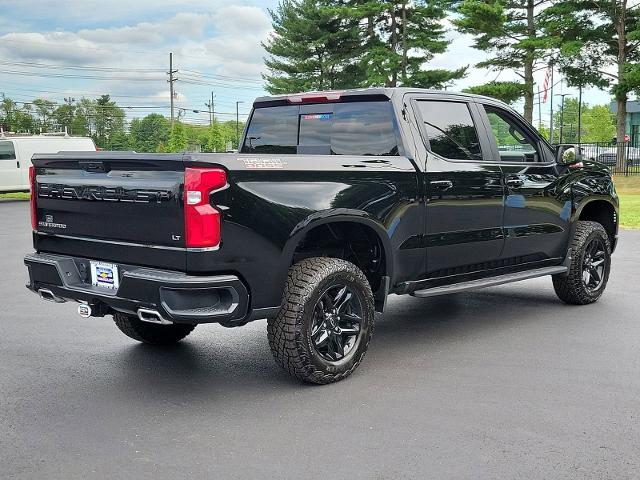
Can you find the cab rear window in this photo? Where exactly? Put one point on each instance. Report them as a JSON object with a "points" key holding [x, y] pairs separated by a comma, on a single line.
{"points": [[356, 128]]}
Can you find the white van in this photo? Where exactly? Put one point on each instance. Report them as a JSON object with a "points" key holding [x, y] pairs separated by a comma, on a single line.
{"points": [[16, 152]]}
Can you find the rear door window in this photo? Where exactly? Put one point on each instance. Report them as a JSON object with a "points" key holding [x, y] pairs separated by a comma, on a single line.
{"points": [[7, 151], [450, 129], [356, 128]]}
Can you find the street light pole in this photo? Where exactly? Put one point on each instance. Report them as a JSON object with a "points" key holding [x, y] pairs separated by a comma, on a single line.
{"points": [[562, 95], [580, 114]]}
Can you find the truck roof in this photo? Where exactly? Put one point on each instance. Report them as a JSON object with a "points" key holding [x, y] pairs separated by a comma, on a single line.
{"points": [[389, 92]]}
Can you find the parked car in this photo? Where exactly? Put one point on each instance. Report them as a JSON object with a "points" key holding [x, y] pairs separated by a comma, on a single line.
{"points": [[16, 152], [608, 154], [335, 201]]}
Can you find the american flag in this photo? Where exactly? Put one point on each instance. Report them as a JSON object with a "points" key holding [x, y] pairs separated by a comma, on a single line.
{"points": [[545, 86]]}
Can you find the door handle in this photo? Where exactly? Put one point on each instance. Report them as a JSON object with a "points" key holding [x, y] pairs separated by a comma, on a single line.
{"points": [[18, 163], [442, 184], [515, 182]]}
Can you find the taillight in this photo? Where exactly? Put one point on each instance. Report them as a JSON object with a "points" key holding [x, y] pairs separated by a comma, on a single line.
{"points": [[34, 194], [201, 220]]}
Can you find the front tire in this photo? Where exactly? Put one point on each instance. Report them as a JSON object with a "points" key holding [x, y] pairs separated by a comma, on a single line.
{"points": [[326, 320], [150, 333], [588, 273]]}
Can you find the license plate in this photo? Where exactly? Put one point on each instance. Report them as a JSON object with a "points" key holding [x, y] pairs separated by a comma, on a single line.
{"points": [[104, 275]]}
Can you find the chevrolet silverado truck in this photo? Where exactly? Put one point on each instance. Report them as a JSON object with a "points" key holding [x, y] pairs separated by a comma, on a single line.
{"points": [[334, 201]]}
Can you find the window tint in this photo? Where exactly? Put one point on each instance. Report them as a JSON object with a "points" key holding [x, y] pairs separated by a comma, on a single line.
{"points": [[356, 128], [514, 144], [364, 128], [450, 130], [7, 151], [272, 130]]}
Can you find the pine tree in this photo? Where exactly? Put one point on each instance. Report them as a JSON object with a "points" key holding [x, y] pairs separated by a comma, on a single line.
{"points": [[594, 36], [313, 48], [401, 37], [510, 33], [508, 92]]}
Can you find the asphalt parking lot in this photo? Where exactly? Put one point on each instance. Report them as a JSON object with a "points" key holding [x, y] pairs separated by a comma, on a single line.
{"points": [[506, 382]]}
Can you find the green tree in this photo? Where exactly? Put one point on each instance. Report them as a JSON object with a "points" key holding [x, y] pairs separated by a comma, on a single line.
{"points": [[119, 141], [508, 92], [84, 117], [601, 35], [216, 140], [313, 48], [109, 120], [511, 33], [149, 132], [598, 123], [63, 117], [401, 37], [23, 120], [177, 139], [44, 112], [8, 109]]}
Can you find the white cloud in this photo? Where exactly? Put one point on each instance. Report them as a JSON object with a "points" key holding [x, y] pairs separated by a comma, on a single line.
{"points": [[237, 47]]}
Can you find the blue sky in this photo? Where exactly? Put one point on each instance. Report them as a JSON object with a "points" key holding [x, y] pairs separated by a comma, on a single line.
{"points": [[216, 46]]}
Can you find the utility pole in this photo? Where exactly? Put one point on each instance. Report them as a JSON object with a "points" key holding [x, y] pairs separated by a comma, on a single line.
{"points": [[238, 125], [562, 95], [210, 105], [69, 101], [171, 80]]}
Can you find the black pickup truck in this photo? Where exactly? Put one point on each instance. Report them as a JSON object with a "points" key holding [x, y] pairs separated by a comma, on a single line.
{"points": [[334, 201]]}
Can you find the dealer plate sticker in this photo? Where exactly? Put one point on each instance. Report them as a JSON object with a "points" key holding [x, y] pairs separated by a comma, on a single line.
{"points": [[104, 275]]}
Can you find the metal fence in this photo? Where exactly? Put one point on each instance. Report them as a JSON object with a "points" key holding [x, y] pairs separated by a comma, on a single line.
{"points": [[622, 158]]}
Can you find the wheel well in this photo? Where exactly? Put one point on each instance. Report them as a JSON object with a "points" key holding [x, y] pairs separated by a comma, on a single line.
{"points": [[603, 213], [351, 241]]}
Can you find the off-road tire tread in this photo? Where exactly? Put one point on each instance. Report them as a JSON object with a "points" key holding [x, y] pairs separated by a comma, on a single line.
{"points": [[285, 330], [569, 287], [148, 332]]}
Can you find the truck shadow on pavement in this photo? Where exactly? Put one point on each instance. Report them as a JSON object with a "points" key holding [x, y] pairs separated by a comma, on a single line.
{"points": [[213, 362]]}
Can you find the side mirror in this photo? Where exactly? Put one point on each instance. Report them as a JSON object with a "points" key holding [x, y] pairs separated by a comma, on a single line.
{"points": [[568, 154]]}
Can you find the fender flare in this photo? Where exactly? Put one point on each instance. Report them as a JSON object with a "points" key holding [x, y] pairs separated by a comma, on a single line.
{"points": [[334, 216], [581, 206]]}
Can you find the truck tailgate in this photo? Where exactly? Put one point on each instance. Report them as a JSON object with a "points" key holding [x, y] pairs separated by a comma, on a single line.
{"points": [[103, 204]]}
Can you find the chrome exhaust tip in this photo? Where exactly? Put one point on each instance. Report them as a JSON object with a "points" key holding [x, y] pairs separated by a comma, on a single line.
{"points": [[49, 296], [152, 316]]}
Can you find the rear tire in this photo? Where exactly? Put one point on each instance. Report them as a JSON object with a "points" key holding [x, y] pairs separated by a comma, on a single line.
{"points": [[326, 320], [588, 273], [150, 333]]}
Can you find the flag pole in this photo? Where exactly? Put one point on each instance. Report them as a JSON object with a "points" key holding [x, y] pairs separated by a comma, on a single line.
{"points": [[551, 109]]}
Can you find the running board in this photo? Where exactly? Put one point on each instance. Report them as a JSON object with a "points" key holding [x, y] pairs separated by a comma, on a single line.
{"points": [[489, 282]]}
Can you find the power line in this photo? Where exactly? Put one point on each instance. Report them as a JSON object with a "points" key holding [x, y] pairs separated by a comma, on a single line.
{"points": [[134, 78], [78, 67]]}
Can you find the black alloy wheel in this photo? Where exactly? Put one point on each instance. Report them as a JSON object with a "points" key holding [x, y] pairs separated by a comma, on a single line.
{"points": [[335, 331], [594, 264]]}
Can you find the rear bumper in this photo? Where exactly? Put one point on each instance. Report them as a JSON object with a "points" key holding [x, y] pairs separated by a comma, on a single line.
{"points": [[177, 297]]}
